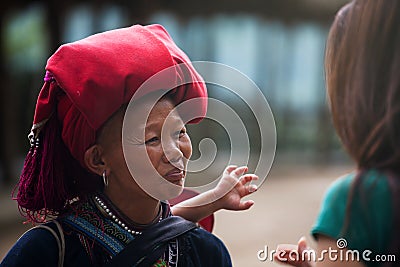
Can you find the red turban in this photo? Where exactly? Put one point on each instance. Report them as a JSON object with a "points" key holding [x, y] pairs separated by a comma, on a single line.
{"points": [[90, 79]]}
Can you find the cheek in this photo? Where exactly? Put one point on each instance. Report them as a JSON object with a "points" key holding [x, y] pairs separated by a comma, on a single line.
{"points": [[186, 147], [155, 154], [115, 156]]}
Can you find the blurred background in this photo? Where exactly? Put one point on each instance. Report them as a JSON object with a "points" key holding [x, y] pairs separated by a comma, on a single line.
{"points": [[279, 44]]}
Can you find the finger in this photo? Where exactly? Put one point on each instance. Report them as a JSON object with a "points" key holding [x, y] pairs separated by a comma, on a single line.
{"points": [[252, 188], [282, 255], [302, 244], [239, 171], [248, 178], [229, 169], [286, 247], [245, 205]]}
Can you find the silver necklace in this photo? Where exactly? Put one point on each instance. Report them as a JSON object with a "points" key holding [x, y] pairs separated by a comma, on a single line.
{"points": [[117, 220]]}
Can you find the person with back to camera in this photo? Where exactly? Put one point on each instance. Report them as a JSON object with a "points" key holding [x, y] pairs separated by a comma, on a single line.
{"points": [[360, 211], [75, 181]]}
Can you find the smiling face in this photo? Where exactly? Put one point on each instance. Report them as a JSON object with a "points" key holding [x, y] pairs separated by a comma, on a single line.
{"points": [[167, 143], [161, 141]]}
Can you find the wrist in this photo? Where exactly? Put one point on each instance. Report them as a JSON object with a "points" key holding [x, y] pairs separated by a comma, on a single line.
{"points": [[217, 198]]}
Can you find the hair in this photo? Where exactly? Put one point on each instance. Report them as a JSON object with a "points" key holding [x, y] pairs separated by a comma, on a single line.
{"points": [[363, 81], [362, 64]]}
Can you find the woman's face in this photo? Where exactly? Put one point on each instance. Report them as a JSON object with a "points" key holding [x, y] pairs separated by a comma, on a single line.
{"points": [[162, 141], [167, 143]]}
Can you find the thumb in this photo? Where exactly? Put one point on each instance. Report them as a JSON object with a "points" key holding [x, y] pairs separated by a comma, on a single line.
{"points": [[302, 244], [245, 205]]}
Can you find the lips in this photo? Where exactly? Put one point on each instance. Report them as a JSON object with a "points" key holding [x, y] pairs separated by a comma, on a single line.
{"points": [[175, 176]]}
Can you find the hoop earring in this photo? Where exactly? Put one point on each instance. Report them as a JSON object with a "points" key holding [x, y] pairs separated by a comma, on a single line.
{"points": [[105, 179]]}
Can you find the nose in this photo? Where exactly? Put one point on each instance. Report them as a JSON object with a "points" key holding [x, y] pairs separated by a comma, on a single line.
{"points": [[171, 152]]}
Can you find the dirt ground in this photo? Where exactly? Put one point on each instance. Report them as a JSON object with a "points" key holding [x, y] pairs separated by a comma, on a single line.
{"points": [[285, 208]]}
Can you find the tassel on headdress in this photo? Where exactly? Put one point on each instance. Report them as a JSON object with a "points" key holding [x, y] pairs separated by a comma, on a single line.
{"points": [[42, 189], [51, 176]]}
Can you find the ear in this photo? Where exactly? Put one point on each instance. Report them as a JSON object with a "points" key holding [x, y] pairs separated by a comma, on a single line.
{"points": [[93, 159]]}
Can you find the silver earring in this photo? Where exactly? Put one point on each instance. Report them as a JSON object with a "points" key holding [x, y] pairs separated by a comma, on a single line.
{"points": [[105, 179]]}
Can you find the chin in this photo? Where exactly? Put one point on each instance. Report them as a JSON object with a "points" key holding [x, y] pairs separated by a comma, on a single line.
{"points": [[175, 192]]}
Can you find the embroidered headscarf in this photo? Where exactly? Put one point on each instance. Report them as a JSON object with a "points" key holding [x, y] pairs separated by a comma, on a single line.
{"points": [[86, 82]]}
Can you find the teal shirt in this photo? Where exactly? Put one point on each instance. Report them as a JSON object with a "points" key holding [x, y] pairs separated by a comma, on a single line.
{"points": [[370, 222]]}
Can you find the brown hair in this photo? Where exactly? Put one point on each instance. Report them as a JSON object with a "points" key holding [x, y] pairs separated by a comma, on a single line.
{"points": [[363, 81], [362, 67]]}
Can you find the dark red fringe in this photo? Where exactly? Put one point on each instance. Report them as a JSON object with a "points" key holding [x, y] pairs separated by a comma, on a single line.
{"points": [[51, 178], [42, 188]]}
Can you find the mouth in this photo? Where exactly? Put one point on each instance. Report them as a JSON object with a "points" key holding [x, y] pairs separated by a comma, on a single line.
{"points": [[175, 176]]}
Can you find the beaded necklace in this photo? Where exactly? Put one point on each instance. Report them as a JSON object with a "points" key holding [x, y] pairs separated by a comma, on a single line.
{"points": [[119, 221], [107, 208]]}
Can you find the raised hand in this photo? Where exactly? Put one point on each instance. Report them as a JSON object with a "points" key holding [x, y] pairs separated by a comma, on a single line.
{"points": [[233, 186]]}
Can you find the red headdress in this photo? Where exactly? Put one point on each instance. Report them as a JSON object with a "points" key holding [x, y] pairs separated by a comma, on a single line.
{"points": [[86, 82]]}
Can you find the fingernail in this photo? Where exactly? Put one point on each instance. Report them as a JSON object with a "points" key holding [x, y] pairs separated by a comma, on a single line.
{"points": [[253, 188]]}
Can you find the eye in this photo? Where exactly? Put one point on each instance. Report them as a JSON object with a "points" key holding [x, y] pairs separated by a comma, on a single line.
{"points": [[151, 140], [181, 133]]}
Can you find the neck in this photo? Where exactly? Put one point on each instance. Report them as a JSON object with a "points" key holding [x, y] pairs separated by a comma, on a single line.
{"points": [[140, 208]]}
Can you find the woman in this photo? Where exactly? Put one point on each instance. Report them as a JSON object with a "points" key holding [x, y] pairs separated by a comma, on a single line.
{"points": [[360, 213], [76, 177]]}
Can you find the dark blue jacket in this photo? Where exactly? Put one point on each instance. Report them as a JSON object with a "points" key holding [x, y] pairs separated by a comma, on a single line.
{"points": [[38, 247]]}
